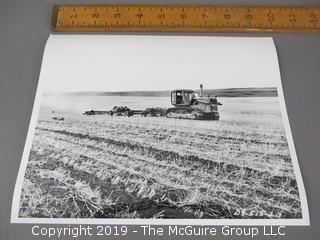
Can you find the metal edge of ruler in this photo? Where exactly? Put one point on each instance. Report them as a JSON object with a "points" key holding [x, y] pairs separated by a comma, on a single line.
{"points": [[56, 28]]}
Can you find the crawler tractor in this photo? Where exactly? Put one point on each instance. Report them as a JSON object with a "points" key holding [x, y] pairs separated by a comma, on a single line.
{"points": [[189, 104]]}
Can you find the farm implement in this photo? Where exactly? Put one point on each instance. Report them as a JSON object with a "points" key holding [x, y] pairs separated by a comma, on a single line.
{"points": [[125, 111], [187, 104]]}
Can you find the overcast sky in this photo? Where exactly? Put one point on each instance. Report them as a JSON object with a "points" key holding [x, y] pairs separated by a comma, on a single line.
{"points": [[135, 63]]}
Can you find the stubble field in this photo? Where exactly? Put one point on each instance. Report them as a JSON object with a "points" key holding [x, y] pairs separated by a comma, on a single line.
{"points": [[153, 167]]}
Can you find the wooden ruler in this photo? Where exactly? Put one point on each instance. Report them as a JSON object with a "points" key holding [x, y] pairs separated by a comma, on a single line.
{"points": [[184, 18]]}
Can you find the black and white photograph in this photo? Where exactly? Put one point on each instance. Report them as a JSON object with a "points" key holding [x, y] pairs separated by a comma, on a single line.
{"points": [[159, 130]]}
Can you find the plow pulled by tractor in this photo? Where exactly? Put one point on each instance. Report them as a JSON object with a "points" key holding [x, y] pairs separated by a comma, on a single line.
{"points": [[187, 104], [125, 111]]}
